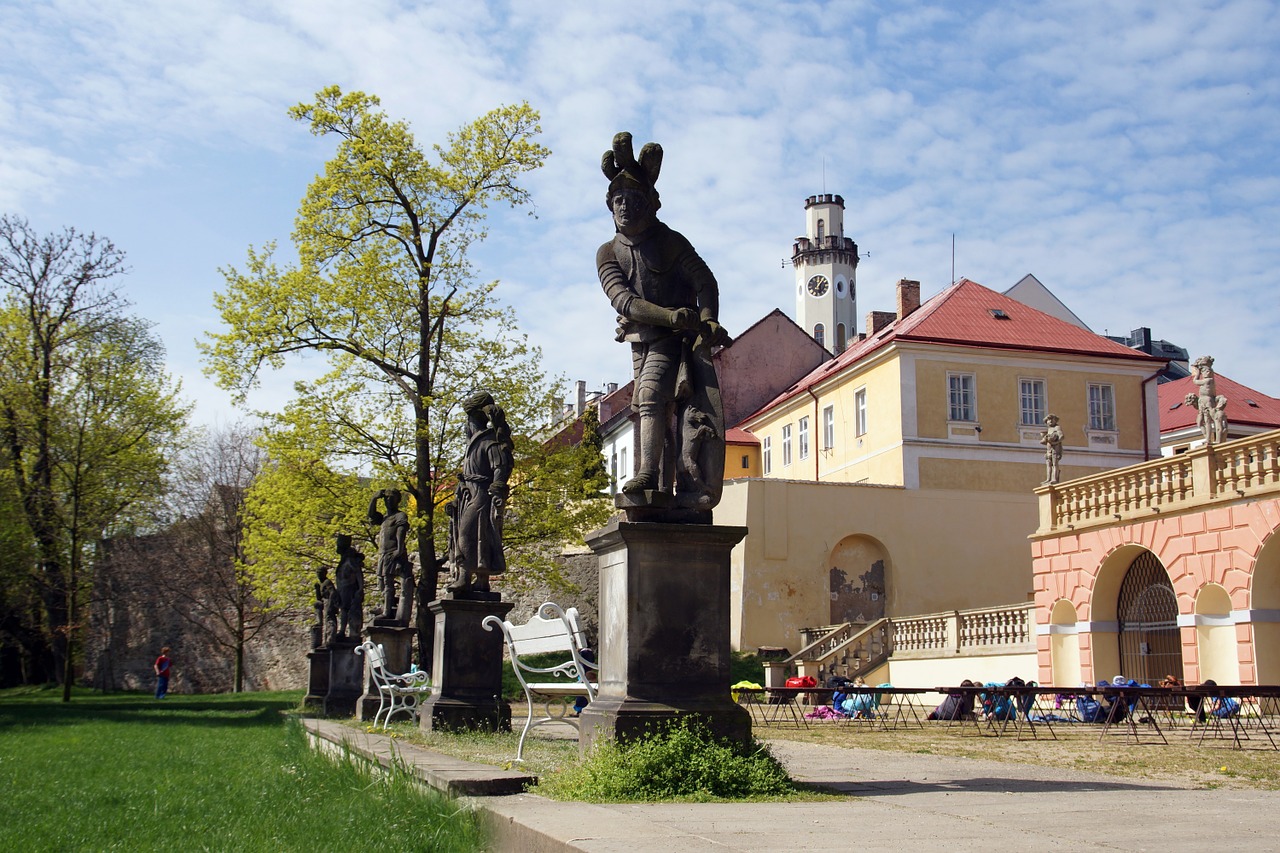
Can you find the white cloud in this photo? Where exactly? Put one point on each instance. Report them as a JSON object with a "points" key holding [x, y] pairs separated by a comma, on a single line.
{"points": [[1124, 153]]}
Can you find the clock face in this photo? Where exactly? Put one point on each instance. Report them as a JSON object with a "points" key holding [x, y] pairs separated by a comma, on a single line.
{"points": [[818, 285]]}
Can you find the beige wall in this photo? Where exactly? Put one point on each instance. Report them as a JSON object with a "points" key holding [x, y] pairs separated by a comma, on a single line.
{"points": [[944, 550], [949, 672]]}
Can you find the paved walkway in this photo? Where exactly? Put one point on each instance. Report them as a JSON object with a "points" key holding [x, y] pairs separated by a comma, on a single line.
{"points": [[905, 802]]}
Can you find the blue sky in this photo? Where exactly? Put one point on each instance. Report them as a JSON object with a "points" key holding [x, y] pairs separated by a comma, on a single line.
{"points": [[1124, 153]]}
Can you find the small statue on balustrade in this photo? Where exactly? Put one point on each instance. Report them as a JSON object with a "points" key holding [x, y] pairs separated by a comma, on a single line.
{"points": [[1051, 438], [1211, 407]]}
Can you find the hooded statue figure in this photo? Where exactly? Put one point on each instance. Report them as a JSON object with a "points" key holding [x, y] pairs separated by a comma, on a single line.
{"points": [[480, 499]]}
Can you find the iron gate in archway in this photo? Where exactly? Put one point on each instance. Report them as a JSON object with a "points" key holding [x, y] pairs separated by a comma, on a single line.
{"points": [[1150, 642]]}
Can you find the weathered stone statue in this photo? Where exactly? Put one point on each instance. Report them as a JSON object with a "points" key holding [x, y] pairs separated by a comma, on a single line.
{"points": [[668, 307], [1211, 407], [1051, 438], [322, 632], [346, 603], [395, 572], [475, 513]]}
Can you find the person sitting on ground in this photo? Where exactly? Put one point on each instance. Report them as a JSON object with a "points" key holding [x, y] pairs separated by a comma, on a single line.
{"points": [[957, 706], [1114, 707], [1219, 706], [859, 701]]}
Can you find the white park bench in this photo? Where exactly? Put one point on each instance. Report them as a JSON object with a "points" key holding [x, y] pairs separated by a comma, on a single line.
{"points": [[550, 630], [396, 693]]}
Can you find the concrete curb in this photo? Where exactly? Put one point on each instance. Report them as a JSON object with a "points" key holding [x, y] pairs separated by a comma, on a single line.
{"points": [[453, 776]]}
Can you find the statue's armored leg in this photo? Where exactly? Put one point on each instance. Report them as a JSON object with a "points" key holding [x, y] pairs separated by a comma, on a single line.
{"points": [[652, 433]]}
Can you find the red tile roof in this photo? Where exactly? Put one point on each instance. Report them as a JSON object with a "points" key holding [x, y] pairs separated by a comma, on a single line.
{"points": [[1265, 411], [965, 314], [734, 435]]}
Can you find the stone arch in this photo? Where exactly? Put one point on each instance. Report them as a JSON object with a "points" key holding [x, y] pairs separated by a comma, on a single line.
{"points": [[1064, 644], [1100, 618], [1264, 611], [858, 579], [1216, 652], [1147, 623]]}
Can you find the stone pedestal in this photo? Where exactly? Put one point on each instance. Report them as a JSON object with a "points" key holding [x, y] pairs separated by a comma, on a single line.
{"points": [[664, 630], [317, 677], [397, 643], [345, 671], [466, 670]]}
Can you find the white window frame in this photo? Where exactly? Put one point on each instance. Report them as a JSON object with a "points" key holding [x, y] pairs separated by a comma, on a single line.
{"points": [[829, 427], [1035, 414], [1102, 411], [766, 454], [860, 412], [961, 400], [820, 334], [804, 437], [786, 445]]}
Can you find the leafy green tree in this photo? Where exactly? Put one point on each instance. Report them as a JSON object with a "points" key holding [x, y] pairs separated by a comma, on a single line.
{"points": [[383, 287], [87, 412]]}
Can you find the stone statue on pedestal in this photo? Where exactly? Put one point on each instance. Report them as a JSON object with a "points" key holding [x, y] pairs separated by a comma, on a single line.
{"points": [[476, 512], [346, 603], [1211, 407], [395, 572], [668, 307], [322, 631], [1051, 438]]}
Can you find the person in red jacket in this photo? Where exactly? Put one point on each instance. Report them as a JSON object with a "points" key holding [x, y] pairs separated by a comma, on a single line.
{"points": [[162, 666]]}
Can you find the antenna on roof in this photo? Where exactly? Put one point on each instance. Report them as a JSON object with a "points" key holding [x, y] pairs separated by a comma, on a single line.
{"points": [[953, 257]]}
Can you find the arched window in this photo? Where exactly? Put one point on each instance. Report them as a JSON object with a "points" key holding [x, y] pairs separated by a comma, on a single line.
{"points": [[820, 334], [841, 339], [822, 229]]}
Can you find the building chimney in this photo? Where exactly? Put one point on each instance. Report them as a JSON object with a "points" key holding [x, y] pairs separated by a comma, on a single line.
{"points": [[877, 320], [580, 404], [610, 387], [908, 296]]}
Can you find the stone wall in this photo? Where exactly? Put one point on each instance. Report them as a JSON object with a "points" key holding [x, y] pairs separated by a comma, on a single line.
{"points": [[134, 612], [581, 572]]}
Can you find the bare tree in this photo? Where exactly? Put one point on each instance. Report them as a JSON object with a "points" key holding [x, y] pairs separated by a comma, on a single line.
{"points": [[194, 567]]}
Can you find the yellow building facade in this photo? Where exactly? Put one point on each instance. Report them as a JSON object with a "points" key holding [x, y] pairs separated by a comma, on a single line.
{"points": [[897, 479]]}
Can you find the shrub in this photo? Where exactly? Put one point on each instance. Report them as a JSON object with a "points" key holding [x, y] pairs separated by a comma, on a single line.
{"points": [[679, 761], [746, 666]]}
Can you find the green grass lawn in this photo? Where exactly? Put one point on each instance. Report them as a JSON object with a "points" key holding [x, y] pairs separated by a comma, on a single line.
{"points": [[220, 772]]}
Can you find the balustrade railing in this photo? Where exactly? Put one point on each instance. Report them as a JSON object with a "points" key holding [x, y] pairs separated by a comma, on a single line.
{"points": [[996, 626], [851, 650], [1235, 469]]}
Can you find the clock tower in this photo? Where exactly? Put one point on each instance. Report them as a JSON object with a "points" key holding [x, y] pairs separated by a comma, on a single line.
{"points": [[826, 264]]}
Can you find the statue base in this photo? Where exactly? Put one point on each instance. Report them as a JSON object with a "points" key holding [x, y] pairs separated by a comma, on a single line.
{"points": [[317, 677], [345, 671], [397, 642], [655, 507], [466, 668], [664, 631]]}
